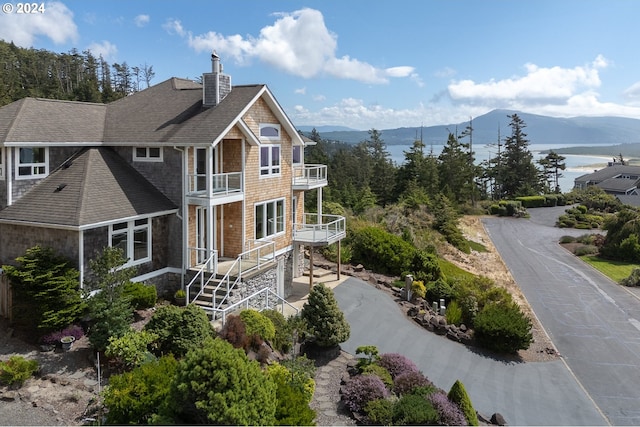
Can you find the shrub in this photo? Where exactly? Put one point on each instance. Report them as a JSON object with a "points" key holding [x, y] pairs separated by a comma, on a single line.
{"points": [[17, 370], [292, 396], [458, 395], [282, 339], [46, 289], [439, 289], [503, 328], [234, 332], [454, 313], [397, 364], [633, 279], [449, 414], [135, 397], [141, 296], [131, 349], [362, 389], [217, 384], [324, 319], [586, 250], [414, 410], [567, 239], [379, 412], [418, 289], [303, 370], [381, 250], [53, 338], [532, 201], [371, 355], [425, 266], [380, 372], [258, 324], [407, 382], [179, 329]]}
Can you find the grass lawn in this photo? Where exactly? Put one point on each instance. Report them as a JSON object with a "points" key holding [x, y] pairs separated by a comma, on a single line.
{"points": [[615, 270]]}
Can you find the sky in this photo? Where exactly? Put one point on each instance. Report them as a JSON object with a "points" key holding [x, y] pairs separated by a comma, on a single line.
{"points": [[369, 64]]}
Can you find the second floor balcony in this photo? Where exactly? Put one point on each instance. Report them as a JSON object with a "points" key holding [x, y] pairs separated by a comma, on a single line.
{"points": [[215, 189], [320, 230], [308, 177]]}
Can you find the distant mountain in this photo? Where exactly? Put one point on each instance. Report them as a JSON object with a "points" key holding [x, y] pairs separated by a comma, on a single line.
{"points": [[322, 129], [539, 130]]}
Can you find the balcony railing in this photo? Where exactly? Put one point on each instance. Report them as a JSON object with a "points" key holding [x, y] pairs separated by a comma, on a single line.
{"points": [[309, 176], [221, 184], [320, 229]]}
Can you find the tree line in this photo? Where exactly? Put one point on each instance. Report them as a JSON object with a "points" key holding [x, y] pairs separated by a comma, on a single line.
{"points": [[364, 174], [73, 76]]}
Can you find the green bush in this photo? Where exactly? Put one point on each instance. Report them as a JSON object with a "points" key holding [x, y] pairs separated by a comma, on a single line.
{"points": [[135, 397], [439, 289], [503, 327], [585, 250], [381, 251], [17, 370], [380, 372], [283, 339], [292, 393], [258, 324], [379, 412], [532, 201], [131, 349], [179, 329], [454, 313], [458, 395], [567, 239], [218, 384], [324, 319], [412, 409], [633, 279], [425, 266], [141, 296]]}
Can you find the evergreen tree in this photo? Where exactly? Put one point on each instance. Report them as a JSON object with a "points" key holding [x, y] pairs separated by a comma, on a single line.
{"points": [[456, 170], [517, 175], [458, 395], [46, 288], [552, 164], [324, 318], [382, 175]]}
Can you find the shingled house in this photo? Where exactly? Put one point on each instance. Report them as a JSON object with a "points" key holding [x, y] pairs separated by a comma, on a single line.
{"points": [[201, 185]]}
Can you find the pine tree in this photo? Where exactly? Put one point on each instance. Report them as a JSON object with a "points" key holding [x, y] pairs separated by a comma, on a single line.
{"points": [[456, 170], [324, 318]]}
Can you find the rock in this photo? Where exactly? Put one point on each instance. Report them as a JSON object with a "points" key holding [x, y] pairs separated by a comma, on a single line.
{"points": [[463, 327], [9, 396], [358, 268], [413, 311], [498, 419]]}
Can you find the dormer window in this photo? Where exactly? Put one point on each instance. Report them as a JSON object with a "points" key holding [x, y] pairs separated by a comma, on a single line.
{"points": [[270, 131]]}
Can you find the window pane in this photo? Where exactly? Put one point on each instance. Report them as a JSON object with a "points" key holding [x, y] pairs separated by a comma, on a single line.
{"points": [[259, 222], [275, 156], [271, 216], [264, 156], [144, 221], [120, 241], [141, 152], [38, 155], [296, 154], [24, 170], [154, 152], [140, 244], [280, 216], [269, 131], [119, 226], [26, 155]]}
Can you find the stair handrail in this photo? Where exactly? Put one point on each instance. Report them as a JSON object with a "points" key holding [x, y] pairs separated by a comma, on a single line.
{"points": [[212, 260], [245, 301]]}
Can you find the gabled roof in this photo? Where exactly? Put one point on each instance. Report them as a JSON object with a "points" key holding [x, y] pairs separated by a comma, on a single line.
{"points": [[609, 172], [48, 120], [95, 187], [618, 185]]}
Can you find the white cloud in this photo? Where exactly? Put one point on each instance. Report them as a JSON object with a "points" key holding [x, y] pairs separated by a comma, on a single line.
{"points": [[107, 49], [141, 20], [544, 84], [56, 24], [300, 91], [319, 98], [174, 26], [297, 43]]}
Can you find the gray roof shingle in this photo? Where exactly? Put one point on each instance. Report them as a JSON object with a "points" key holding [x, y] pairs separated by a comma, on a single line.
{"points": [[95, 186]]}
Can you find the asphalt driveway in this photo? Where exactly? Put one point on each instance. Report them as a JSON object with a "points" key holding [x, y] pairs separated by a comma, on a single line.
{"points": [[543, 393], [594, 322]]}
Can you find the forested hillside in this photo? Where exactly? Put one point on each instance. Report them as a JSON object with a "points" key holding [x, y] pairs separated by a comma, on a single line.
{"points": [[74, 76]]}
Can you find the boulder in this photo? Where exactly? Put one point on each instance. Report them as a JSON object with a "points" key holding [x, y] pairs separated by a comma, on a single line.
{"points": [[498, 419], [358, 268]]}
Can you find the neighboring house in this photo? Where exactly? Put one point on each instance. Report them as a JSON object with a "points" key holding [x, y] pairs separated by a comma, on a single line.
{"points": [[202, 186], [616, 179]]}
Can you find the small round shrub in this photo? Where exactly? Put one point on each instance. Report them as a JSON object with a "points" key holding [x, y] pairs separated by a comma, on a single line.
{"points": [[567, 239], [438, 290], [379, 412], [406, 383], [258, 324], [141, 296], [17, 370], [633, 279], [282, 339], [503, 328], [131, 349], [585, 250], [449, 414], [361, 390], [397, 364], [382, 373], [414, 410]]}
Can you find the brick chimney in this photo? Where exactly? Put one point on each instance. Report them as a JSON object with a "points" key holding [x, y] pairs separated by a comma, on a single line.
{"points": [[215, 85]]}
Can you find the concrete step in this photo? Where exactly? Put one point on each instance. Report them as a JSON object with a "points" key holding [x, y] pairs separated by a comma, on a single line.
{"points": [[318, 272]]}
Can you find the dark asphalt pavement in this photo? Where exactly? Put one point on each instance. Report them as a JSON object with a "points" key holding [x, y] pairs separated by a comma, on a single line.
{"points": [[594, 322], [525, 393]]}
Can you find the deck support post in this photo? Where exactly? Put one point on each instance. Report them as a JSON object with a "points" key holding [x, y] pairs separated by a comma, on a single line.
{"points": [[310, 268], [339, 266]]}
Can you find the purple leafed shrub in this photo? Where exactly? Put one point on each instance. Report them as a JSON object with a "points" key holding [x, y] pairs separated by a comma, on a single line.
{"points": [[54, 337], [397, 364], [361, 390], [408, 381], [449, 413]]}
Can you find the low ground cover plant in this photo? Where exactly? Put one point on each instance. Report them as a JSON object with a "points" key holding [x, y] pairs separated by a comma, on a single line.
{"points": [[17, 370]]}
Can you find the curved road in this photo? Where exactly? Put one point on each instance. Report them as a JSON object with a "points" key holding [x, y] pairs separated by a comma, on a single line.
{"points": [[594, 323]]}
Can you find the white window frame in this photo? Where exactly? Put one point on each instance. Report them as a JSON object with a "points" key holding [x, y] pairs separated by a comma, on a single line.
{"points": [[128, 229], [271, 169], [2, 163], [37, 169], [147, 157], [262, 127], [300, 155], [279, 226]]}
